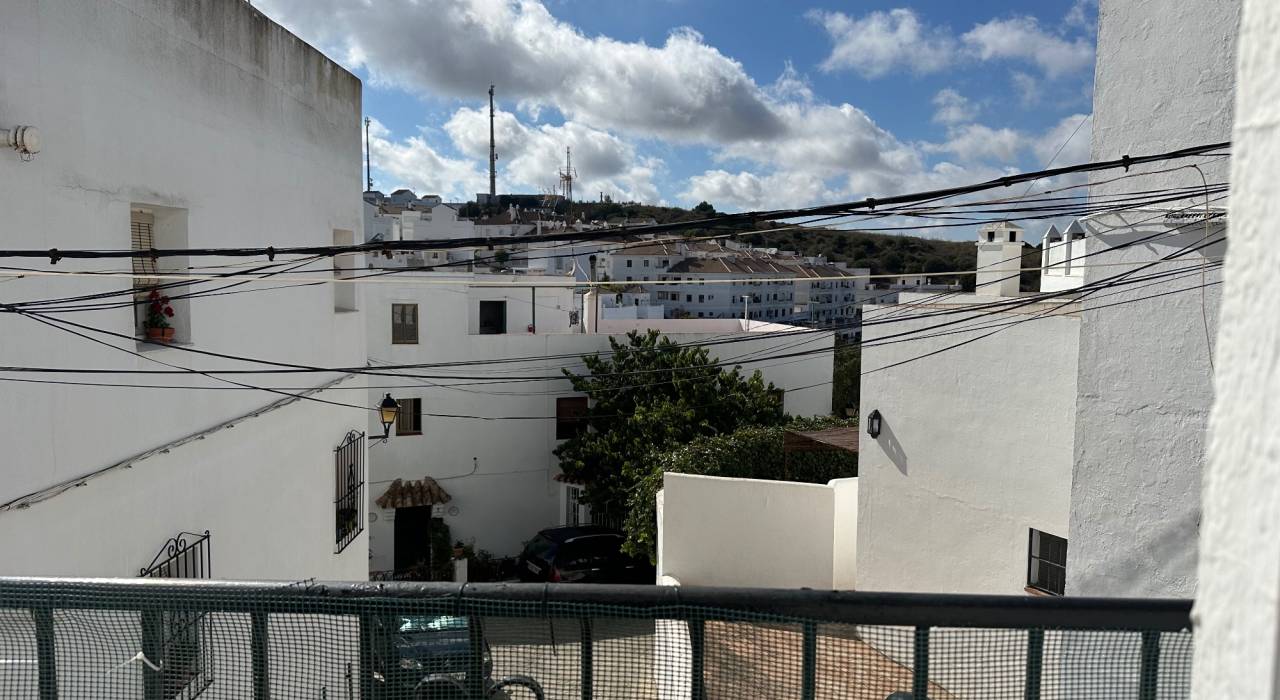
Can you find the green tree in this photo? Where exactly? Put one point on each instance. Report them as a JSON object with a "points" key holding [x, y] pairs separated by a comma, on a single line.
{"points": [[647, 396], [704, 209], [846, 378]]}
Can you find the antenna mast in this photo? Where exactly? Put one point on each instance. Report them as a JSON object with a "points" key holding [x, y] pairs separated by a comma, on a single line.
{"points": [[368, 171], [493, 155], [567, 176]]}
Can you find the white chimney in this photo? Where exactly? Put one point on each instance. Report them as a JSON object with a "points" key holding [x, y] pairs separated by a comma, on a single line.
{"points": [[999, 259]]}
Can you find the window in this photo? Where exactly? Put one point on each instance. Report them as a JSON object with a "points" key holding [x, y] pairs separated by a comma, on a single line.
{"points": [[409, 419], [664, 263], [688, 297], [348, 490], [1013, 235], [701, 298], [571, 416], [991, 236], [150, 227], [628, 278], [493, 317], [1047, 571], [628, 263], [646, 278], [404, 324], [646, 262]]}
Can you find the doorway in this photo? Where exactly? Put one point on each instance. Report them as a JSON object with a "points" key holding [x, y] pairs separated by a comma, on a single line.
{"points": [[412, 537]]}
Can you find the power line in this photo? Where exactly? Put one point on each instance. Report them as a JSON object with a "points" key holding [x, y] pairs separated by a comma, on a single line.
{"points": [[868, 205]]}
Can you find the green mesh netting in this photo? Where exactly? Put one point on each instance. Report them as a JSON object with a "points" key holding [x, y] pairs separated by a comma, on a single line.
{"points": [[93, 641]]}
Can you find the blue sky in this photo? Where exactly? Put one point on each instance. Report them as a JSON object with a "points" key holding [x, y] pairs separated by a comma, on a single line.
{"points": [[747, 105]]}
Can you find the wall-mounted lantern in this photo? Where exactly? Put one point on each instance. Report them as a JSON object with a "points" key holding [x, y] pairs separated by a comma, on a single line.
{"points": [[388, 410], [873, 424]]}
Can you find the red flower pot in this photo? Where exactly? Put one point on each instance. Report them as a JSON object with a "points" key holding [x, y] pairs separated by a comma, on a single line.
{"points": [[161, 334]]}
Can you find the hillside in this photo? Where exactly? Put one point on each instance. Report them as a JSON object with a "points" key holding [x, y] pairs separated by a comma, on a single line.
{"points": [[883, 253]]}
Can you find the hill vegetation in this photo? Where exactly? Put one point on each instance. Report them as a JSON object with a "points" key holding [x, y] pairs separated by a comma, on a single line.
{"points": [[884, 253]]}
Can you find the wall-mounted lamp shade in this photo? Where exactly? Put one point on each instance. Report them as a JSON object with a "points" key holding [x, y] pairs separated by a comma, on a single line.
{"points": [[873, 424], [388, 410]]}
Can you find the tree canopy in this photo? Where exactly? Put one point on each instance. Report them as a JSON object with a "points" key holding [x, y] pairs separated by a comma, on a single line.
{"points": [[649, 395]]}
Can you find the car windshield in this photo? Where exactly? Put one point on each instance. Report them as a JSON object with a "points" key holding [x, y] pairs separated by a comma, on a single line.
{"points": [[432, 623]]}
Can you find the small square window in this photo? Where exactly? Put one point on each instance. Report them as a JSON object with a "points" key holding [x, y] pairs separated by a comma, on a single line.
{"points": [[1047, 569], [409, 419], [404, 324]]}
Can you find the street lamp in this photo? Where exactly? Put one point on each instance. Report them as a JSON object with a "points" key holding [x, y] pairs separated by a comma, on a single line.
{"points": [[873, 424], [387, 411]]}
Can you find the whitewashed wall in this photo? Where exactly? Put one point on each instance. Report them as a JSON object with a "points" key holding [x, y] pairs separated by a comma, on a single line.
{"points": [[1236, 613], [1145, 382], [975, 450], [211, 109], [718, 531]]}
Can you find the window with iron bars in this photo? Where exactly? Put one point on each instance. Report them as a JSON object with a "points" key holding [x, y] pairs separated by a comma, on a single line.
{"points": [[1047, 570], [348, 500], [178, 641]]}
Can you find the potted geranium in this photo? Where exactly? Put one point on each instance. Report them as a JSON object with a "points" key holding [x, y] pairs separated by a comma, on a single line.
{"points": [[158, 314]]}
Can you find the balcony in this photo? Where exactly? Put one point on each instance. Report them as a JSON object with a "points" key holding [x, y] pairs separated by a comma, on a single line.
{"points": [[90, 637]]}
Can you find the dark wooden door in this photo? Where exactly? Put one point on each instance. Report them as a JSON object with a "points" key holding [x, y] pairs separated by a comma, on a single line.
{"points": [[413, 536]]}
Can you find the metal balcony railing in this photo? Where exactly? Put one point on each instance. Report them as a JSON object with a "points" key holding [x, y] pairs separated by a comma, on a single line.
{"points": [[90, 638]]}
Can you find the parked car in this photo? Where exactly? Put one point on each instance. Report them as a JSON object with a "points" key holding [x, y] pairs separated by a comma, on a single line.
{"points": [[434, 654], [581, 554]]}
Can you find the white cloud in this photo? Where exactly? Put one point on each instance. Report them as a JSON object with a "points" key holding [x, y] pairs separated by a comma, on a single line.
{"points": [[953, 108], [1023, 38], [530, 157], [1027, 87], [975, 142], [1083, 15], [1075, 149], [420, 167], [683, 90], [744, 191], [881, 41]]}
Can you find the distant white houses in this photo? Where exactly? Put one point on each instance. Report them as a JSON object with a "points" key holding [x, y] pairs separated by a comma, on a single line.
{"points": [[164, 124], [484, 433]]}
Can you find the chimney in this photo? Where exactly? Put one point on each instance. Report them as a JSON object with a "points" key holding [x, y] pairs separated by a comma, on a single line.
{"points": [[999, 259]]}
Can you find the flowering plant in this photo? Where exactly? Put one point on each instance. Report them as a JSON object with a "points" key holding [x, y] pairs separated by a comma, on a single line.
{"points": [[158, 310]]}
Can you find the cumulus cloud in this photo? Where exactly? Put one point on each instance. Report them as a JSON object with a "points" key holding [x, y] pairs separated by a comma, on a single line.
{"points": [[683, 90], [953, 108], [880, 42], [975, 142], [422, 168], [532, 156], [1023, 38], [744, 191], [1073, 135]]}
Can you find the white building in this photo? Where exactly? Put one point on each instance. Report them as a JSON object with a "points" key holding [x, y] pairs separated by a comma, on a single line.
{"points": [[1086, 427], [972, 464], [487, 442], [163, 124]]}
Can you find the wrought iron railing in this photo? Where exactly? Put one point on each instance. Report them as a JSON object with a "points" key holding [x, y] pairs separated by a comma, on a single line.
{"points": [[177, 641], [89, 638], [348, 487]]}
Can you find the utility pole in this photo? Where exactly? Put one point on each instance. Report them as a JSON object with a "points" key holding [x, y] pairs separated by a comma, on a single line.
{"points": [[368, 171], [493, 155]]}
